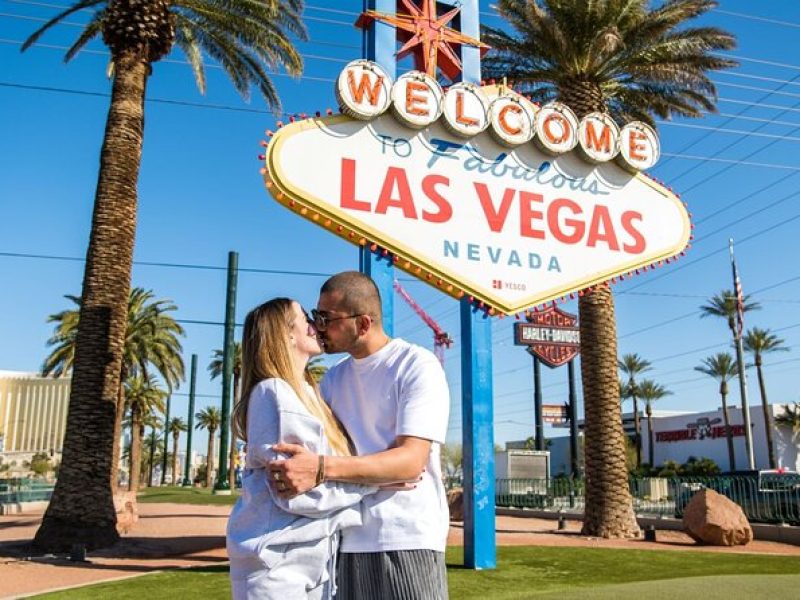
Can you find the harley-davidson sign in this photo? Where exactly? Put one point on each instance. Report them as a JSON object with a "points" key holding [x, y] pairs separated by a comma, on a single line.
{"points": [[476, 190], [552, 335]]}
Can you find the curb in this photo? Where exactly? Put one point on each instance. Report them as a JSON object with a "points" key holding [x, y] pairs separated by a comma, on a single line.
{"points": [[785, 534]]}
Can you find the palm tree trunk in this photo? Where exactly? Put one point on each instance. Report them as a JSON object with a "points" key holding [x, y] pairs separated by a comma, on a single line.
{"points": [[152, 456], [210, 457], [137, 436], [231, 471], [81, 510], [609, 506], [175, 438], [767, 418], [637, 427], [728, 434], [650, 436]]}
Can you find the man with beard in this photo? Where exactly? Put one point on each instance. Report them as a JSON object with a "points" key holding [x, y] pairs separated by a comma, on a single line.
{"points": [[393, 400]]}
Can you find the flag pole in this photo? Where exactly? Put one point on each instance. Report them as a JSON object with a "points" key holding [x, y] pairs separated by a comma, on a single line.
{"points": [[739, 299]]}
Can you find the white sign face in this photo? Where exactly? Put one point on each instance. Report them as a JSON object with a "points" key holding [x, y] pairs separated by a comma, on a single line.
{"points": [[513, 228]]}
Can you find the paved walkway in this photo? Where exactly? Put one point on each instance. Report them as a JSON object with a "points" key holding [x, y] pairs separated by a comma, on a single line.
{"points": [[183, 535]]}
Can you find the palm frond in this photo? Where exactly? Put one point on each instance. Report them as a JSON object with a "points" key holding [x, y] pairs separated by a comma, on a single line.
{"points": [[34, 37]]}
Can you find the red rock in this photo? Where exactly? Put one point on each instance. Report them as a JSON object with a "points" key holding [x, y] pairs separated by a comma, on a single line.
{"points": [[455, 502], [711, 518]]}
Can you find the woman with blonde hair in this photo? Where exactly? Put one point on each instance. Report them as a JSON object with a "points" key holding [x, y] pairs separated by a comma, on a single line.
{"points": [[278, 547]]}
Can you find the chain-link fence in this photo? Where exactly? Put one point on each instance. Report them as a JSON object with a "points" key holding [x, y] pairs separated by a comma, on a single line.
{"points": [[765, 498]]}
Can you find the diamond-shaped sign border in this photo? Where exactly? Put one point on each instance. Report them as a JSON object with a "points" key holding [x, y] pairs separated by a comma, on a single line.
{"points": [[341, 224]]}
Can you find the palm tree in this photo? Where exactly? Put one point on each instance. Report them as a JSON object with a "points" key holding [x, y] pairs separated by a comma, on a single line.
{"points": [[632, 365], [650, 391], [723, 368], [209, 418], [62, 358], [144, 397], [760, 342], [632, 62], [175, 427], [317, 368], [151, 343], [724, 305], [245, 38], [154, 441], [215, 368], [790, 418]]}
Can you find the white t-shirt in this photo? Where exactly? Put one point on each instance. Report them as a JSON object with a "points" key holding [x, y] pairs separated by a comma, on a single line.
{"points": [[399, 390]]}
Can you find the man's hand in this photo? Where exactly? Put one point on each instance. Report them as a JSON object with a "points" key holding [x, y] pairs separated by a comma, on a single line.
{"points": [[296, 474]]}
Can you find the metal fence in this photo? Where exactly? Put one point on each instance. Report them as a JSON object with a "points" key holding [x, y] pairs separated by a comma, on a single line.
{"points": [[764, 498], [14, 491]]}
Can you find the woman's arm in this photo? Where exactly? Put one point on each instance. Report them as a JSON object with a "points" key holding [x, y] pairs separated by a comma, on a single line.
{"points": [[405, 461], [277, 414]]}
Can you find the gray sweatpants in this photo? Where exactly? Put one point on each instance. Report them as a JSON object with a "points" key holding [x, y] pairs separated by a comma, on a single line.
{"points": [[396, 575], [284, 572]]}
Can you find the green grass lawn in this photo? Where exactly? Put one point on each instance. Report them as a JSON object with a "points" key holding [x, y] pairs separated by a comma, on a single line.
{"points": [[187, 495], [540, 572]]}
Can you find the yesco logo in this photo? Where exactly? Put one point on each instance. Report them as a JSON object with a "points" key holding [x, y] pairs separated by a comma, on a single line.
{"points": [[365, 91]]}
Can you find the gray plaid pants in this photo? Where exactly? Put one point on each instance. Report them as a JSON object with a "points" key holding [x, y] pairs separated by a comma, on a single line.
{"points": [[395, 575]]}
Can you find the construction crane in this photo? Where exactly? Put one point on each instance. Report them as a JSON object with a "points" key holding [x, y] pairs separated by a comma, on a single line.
{"points": [[441, 340]]}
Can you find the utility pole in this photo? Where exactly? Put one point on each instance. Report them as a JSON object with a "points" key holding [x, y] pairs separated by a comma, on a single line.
{"points": [[190, 420], [739, 299], [573, 421], [222, 487], [166, 443]]}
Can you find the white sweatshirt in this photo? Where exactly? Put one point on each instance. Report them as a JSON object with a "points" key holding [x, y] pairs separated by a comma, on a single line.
{"points": [[279, 547]]}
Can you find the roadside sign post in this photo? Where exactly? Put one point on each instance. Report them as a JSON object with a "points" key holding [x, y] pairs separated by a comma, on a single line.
{"points": [[552, 336]]}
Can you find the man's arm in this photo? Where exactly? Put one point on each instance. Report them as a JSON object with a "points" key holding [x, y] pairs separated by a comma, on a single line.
{"points": [[405, 461]]}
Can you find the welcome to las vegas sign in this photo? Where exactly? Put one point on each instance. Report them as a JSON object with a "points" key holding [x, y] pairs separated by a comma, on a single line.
{"points": [[477, 190]]}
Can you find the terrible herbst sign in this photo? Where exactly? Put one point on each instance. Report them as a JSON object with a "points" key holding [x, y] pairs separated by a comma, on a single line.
{"points": [[476, 190]]}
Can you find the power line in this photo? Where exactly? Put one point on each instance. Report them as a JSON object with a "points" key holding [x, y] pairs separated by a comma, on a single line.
{"points": [[760, 61], [731, 145], [756, 18], [265, 111], [671, 320], [710, 254], [143, 263], [759, 104], [744, 163]]}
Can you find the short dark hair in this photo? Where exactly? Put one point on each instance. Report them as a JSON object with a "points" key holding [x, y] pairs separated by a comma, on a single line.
{"points": [[359, 293]]}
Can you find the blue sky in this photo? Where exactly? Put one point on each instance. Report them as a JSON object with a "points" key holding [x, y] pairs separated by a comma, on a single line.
{"points": [[201, 195]]}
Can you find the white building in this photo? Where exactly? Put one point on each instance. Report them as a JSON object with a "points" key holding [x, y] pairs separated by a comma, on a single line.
{"points": [[702, 435], [33, 416]]}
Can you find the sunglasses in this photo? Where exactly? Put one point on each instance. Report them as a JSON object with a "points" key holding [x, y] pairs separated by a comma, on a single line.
{"points": [[322, 320]]}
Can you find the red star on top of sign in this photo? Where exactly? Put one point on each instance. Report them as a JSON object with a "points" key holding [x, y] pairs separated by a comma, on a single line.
{"points": [[426, 35]]}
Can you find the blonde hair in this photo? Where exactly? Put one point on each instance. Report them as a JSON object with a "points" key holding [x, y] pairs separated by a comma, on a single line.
{"points": [[266, 354]]}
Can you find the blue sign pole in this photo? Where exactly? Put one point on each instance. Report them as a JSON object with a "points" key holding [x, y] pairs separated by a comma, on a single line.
{"points": [[378, 44], [480, 551], [477, 437]]}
